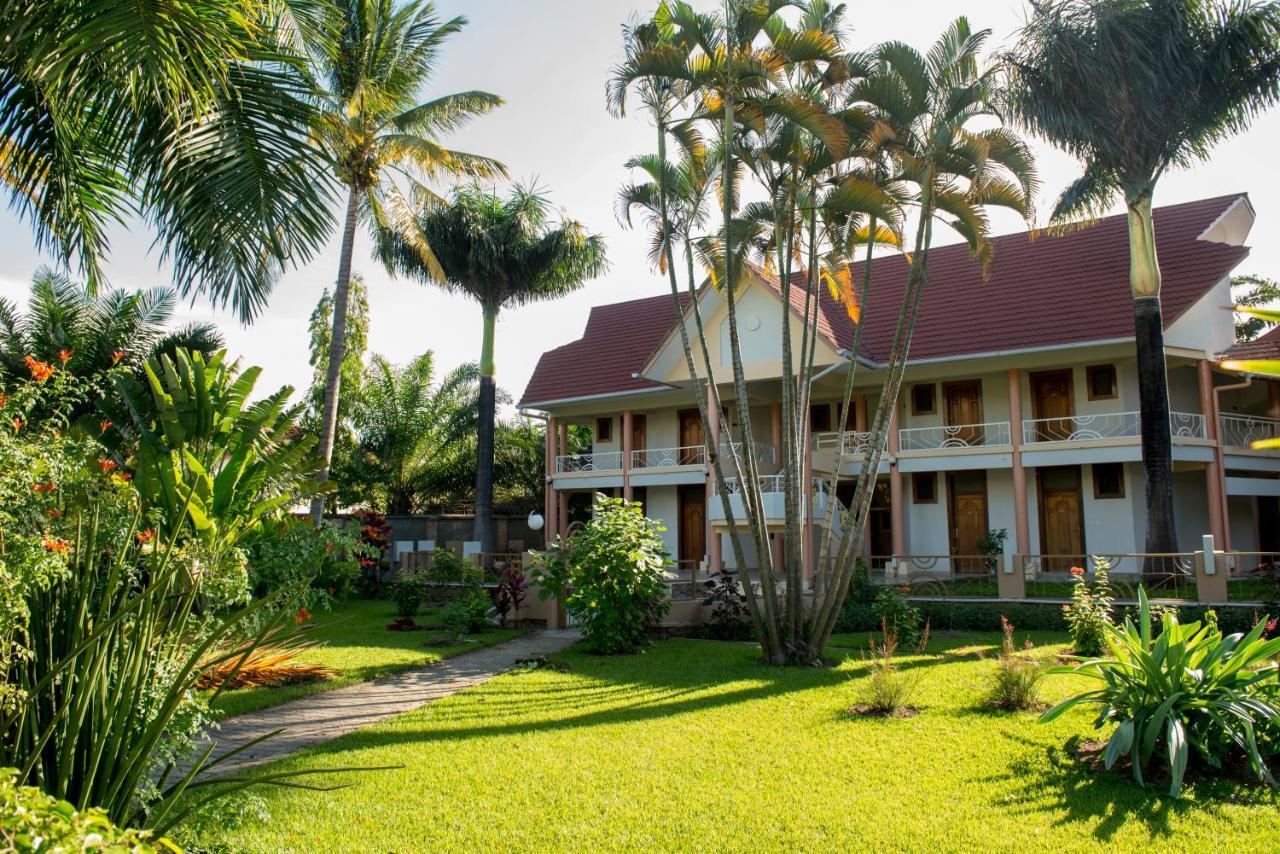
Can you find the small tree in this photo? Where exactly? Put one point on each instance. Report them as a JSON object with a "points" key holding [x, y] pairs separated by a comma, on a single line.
{"points": [[610, 576]]}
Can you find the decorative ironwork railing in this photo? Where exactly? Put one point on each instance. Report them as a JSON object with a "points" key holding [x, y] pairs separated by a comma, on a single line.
{"points": [[605, 461], [660, 458], [764, 451], [855, 444], [1240, 431], [1106, 425], [771, 483], [954, 436]]}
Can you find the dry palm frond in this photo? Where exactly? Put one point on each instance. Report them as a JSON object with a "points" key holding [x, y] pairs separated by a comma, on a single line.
{"points": [[267, 665]]}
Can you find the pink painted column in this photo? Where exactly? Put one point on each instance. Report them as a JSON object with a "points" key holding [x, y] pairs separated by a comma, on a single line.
{"points": [[860, 413], [715, 560], [1021, 527], [897, 512], [549, 494], [775, 431], [626, 454], [1214, 476], [562, 498], [808, 551]]}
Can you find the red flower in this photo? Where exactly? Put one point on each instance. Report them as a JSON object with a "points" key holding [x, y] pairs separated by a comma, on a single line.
{"points": [[40, 371], [104, 425], [65, 355], [146, 536], [17, 423], [44, 487], [53, 513], [1077, 571], [302, 616], [108, 465], [116, 356], [905, 589], [55, 544]]}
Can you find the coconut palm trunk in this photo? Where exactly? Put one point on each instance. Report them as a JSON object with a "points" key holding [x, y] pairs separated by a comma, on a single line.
{"points": [[337, 349], [1153, 386], [484, 532]]}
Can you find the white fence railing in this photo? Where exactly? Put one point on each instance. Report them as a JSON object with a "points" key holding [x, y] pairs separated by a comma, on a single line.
{"points": [[1240, 431], [1106, 425], [660, 458], [605, 461], [954, 436], [770, 483], [855, 444]]}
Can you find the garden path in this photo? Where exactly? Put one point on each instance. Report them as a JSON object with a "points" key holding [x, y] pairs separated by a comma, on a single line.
{"points": [[325, 716]]}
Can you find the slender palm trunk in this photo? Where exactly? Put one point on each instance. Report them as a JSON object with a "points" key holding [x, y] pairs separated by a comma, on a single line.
{"points": [[337, 351], [484, 532], [1153, 386]]}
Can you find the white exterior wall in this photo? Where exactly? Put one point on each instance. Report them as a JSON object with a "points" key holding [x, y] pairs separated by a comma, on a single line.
{"points": [[1190, 509], [662, 504], [1243, 510], [1108, 522]]}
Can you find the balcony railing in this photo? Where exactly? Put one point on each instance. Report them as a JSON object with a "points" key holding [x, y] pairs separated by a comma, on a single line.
{"points": [[1107, 425], [855, 444], [771, 483], [954, 436], [665, 458], [1240, 431], [764, 451], [605, 461]]}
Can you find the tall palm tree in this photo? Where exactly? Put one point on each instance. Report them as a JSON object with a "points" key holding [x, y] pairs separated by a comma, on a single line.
{"points": [[501, 252], [1134, 88], [194, 115], [372, 59]]}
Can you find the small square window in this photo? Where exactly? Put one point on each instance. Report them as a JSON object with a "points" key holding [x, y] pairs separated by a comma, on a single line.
{"points": [[1102, 382], [922, 399], [924, 487], [820, 418], [1108, 480], [604, 429]]}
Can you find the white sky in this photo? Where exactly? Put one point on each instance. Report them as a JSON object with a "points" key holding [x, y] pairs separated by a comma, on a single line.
{"points": [[550, 59]]}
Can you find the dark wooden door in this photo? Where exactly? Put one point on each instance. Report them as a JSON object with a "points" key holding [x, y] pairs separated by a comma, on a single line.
{"points": [[1052, 399], [880, 524], [967, 508], [690, 437], [638, 437], [1061, 519], [963, 407], [692, 536]]}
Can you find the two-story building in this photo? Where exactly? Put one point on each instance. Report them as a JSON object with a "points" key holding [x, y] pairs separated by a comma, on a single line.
{"points": [[1019, 411]]}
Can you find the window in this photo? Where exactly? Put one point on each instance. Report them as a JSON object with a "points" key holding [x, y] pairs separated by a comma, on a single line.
{"points": [[1102, 382], [820, 418], [604, 429], [924, 487], [922, 400], [1108, 480]]}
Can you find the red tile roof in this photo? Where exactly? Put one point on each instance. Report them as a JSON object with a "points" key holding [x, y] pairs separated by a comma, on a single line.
{"points": [[617, 342], [1263, 347], [1040, 291]]}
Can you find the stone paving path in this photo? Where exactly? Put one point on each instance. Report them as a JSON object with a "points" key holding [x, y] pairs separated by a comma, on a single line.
{"points": [[325, 716]]}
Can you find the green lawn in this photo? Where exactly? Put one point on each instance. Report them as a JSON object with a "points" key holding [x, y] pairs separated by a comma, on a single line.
{"points": [[695, 746], [354, 641]]}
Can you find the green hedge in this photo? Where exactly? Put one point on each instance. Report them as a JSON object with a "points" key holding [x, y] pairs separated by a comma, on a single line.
{"points": [[30, 820]]}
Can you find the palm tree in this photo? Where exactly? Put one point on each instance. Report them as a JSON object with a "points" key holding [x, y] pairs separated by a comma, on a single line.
{"points": [[372, 59], [89, 333], [1134, 88], [194, 115], [501, 252]]}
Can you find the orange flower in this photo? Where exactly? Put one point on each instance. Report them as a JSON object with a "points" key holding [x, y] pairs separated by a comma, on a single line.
{"points": [[146, 536], [107, 465], [302, 616], [17, 423], [43, 487], [53, 513], [121, 477], [116, 356], [40, 371], [104, 425], [65, 355], [1077, 571], [905, 589], [55, 544], [4, 399]]}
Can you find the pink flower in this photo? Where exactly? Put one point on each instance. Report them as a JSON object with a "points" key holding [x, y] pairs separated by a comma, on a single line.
{"points": [[1077, 571]]}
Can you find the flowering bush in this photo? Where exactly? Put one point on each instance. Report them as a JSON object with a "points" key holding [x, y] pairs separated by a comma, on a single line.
{"points": [[326, 559], [1091, 610], [30, 820], [1018, 674], [375, 535]]}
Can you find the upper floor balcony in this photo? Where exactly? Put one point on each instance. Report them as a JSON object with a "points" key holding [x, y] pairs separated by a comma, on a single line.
{"points": [[1241, 431], [1106, 426], [654, 459]]}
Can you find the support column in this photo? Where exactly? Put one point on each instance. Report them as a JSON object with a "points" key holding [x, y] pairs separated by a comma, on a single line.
{"points": [[775, 431], [1273, 399], [1213, 473], [549, 503], [1021, 527], [809, 557], [715, 561], [627, 439], [860, 413], [896, 511], [562, 498]]}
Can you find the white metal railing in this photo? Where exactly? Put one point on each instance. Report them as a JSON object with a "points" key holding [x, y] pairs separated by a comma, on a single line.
{"points": [[954, 436], [1240, 431], [660, 458], [604, 461], [856, 444], [1106, 425], [771, 483], [764, 451]]}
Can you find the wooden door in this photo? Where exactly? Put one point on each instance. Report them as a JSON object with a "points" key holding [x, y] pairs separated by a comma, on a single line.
{"points": [[690, 437], [1061, 519], [638, 437], [967, 509], [692, 536], [880, 524], [962, 407], [1052, 399]]}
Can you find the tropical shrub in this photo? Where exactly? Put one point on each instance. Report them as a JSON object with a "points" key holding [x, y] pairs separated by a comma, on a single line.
{"points": [[375, 534], [512, 589], [858, 613], [30, 820], [610, 576], [730, 619], [897, 616], [409, 593], [449, 576], [1190, 694], [1090, 612], [467, 614], [888, 689], [292, 552], [1016, 686]]}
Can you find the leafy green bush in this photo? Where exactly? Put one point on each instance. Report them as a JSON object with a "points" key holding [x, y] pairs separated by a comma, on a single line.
{"points": [[293, 552], [730, 618], [30, 820], [1016, 686], [449, 576], [1090, 612], [610, 575], [858, 613], [897, 616], [409, 593], [467, 615], [1191, 692]]}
